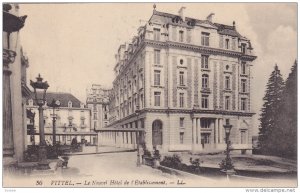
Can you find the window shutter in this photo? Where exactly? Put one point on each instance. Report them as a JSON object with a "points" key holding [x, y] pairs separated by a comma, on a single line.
{"points": [[174, 34], [233, 43], [221, 42], [188, 38]]}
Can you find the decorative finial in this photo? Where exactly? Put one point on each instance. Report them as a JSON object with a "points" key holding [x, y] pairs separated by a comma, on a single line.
{"points": [[233, 23], [154, 6]]}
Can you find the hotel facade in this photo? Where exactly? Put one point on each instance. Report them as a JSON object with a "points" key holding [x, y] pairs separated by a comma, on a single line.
{"points": [[73, 120], [178, 82]]}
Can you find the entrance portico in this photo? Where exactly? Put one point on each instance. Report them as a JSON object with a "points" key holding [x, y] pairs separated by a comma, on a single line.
{"points": [[207, 133]]}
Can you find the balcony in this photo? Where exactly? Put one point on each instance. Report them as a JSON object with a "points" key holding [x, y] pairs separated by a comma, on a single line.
{"points": [[205, 90]]}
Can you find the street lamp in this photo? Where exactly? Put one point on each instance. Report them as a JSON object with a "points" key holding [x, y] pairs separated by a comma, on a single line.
{"points": [[137, 112], [40, 100], [11, 23], [228, 166], [54, 105]]}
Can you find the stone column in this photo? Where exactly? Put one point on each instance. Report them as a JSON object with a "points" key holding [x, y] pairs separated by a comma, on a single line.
{"points": [[198, 132], [221, 131], [194, 134], [216, 131], [8, 141]]}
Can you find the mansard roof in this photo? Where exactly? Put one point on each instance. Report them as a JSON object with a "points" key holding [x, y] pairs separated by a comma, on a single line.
{"points": [[227, 30], [189, 22], [63, 98]]}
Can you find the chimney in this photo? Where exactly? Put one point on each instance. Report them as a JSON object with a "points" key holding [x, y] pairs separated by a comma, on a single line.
{"points": [[209, 17], [181, 14]]}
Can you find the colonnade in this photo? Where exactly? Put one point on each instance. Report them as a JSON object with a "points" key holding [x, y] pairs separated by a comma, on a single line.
{"points": [[215, 133], [125, 139]]}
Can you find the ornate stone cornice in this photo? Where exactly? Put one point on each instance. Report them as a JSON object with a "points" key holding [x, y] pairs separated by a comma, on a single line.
{"points": [[202, 49], [190, 111], [218, 112]]}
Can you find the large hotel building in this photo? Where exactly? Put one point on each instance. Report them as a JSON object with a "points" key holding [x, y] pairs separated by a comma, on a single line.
{"points": [[185, 77]]}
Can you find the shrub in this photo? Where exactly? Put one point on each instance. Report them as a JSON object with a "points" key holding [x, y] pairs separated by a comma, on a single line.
{"points": [[226, 164], [195, 167], [156, 154], [172, 161]]}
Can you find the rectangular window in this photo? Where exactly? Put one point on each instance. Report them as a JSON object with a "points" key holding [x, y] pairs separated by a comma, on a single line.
{"points": [[95, 125], [243, 85], [243, 68], [243, 48], [82, 121], [95, 116], [227, 44], [205, 123], [157, 77], [142, 101], [181, 136], [204, 101], [205, 81], [227, 83], [227, 102], [157, 99], [181, 36], [156, 34], [181, 100], [204, 39], [243, 104], [142, 123], [243, 137], [181, 78], [204, 61], [156, 56], [181, 122]]}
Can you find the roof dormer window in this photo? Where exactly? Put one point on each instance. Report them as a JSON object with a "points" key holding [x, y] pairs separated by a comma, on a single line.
{"points": [[70, 104], [81, 105]]}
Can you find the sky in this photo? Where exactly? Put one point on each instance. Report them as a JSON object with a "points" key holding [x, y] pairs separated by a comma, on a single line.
{"points": [[73, 45]]}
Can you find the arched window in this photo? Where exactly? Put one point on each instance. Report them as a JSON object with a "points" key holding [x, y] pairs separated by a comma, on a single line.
{"points": [[204, 81], [157, 137]]}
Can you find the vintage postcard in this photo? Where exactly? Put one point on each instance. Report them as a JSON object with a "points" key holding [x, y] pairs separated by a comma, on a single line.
{"points": [[150, 95]]}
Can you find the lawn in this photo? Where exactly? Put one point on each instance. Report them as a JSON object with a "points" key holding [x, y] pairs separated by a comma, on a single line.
{"points": [[259, 163]]}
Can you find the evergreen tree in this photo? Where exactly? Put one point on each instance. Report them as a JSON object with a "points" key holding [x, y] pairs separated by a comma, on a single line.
{"points": [[270, 110], [286, 144]]}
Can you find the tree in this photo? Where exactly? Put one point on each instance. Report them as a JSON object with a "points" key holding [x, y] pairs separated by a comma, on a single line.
{"points": [[287, 118], [269, 111]]}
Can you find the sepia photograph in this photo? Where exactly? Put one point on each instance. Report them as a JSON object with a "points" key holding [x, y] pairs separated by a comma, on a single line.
{"points": [[147, 95]]}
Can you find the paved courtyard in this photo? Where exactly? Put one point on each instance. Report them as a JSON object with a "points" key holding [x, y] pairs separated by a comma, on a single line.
{"points": [[118, 169]]}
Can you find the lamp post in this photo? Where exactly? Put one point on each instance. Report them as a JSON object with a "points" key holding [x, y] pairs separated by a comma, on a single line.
{"points": [[11, 24], [228, 163], [40, 100], [138, 161], [54, 105]]}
